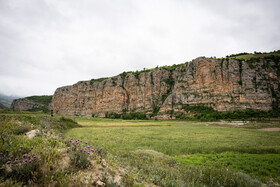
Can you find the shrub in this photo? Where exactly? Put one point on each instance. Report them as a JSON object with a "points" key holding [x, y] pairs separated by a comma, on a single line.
{"points": [[22, 165], [79, 152], [79, 159], [21, 130]]}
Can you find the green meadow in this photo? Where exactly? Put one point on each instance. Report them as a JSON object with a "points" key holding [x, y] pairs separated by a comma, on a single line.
{"points": [[83, 151], [191, 144]]}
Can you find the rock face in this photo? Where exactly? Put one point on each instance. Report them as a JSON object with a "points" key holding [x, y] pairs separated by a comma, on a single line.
{"points": [[24, 104], [33, 103], [224, 84]]}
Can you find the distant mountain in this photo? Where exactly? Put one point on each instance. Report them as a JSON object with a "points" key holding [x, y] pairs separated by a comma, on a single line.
{"points": [[3, 107], [7, 100]]}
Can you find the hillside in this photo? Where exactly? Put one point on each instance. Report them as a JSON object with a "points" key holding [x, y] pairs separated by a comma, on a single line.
{"points": [[7, 100], [3, 106], [32, 103], [237, 82]]}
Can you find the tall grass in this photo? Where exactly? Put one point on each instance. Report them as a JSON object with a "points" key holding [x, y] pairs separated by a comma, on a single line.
{"points": [[176, 138]]}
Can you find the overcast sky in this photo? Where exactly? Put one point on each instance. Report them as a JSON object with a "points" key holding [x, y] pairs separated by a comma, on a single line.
{"points": [[45, 44]]}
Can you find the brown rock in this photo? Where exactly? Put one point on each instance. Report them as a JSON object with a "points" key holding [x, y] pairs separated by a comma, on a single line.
{"points": [[222, 84], [24, 104]]}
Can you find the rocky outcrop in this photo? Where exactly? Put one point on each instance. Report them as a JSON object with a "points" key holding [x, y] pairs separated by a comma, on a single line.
{"points": [[224, 84], [24, 104], [33, 103]]}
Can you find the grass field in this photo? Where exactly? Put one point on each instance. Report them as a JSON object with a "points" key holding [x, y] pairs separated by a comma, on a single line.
{"points": [[197, 144], [135, 152]]}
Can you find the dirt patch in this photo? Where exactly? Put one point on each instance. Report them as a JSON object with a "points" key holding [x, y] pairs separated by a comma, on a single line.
{"points": [[225, 123], [271, 129]]}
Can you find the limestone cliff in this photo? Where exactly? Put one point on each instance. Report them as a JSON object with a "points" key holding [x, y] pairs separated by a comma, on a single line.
{"points": [[224, 84]]}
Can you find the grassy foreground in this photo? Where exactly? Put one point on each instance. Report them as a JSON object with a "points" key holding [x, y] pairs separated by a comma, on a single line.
{"points": [[191, 147], [104, 152]]}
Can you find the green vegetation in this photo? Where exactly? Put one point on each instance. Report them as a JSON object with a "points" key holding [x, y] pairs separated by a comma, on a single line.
{"points": [[137, 73], [205, 113], [6, 100], [260, 166], [97, 80], [176, 137], [47, 159], [255, 56], [178, 153], [126, 116], [43, 99], [164, 153], [163, 170]]}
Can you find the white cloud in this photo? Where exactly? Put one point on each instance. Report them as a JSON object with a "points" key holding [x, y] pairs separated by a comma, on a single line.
{"points": [[48, 43]]}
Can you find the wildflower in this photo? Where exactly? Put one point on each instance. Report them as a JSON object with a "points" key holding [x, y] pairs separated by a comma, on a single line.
{"points": [[34, 156], [81, 150], [41, 152], [92, 150], [29, 156], [86, 142], [12, 156], [25, 160], [29, 150], [30, 161], [87, 152], [124, 163], [19, 150], [24, 155], [16, 158], [15, 162], [1, 153], [7, 150], [8, 162], [88, 146]]}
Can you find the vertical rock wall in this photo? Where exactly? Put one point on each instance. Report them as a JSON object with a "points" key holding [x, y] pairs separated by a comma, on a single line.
{"points": [[222, 84]]}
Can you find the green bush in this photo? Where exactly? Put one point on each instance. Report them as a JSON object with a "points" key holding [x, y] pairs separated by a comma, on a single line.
{"points": [[126, 116], [204, 113], [24, 171], [79, 159], [21, 129]]}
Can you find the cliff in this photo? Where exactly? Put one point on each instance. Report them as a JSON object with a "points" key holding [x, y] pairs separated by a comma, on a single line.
{"points": [[224, 84], [32, 103]]}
